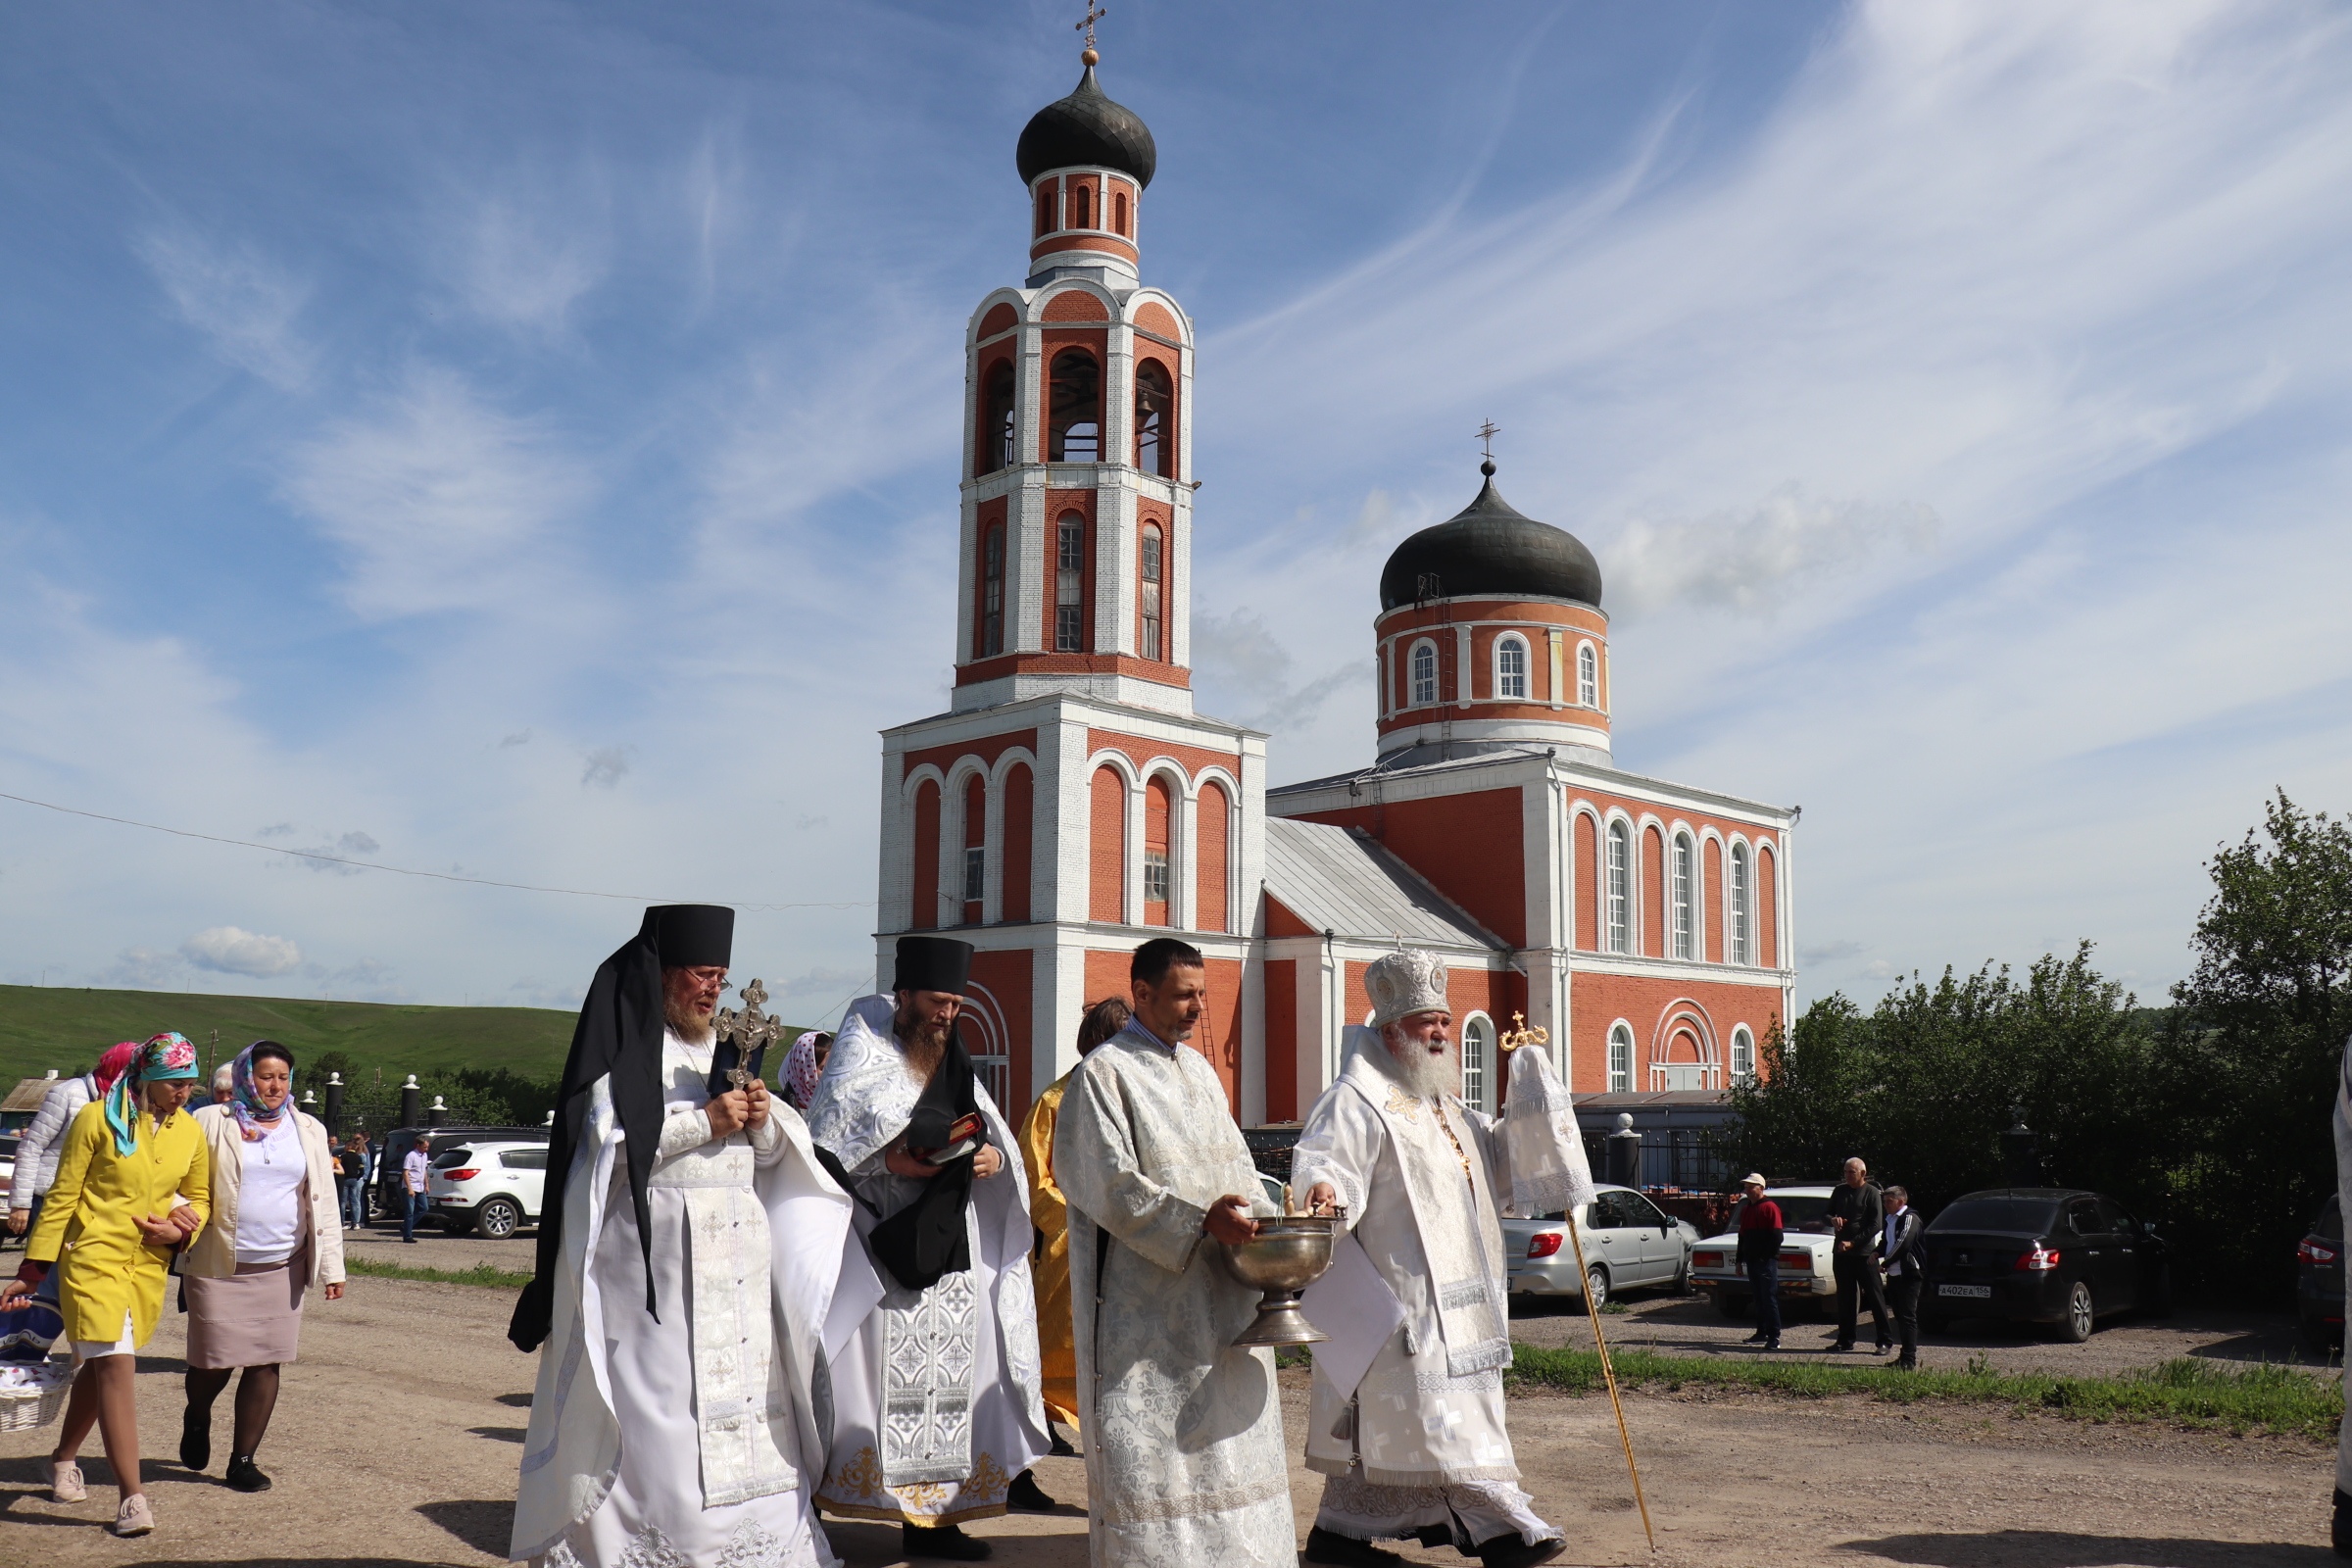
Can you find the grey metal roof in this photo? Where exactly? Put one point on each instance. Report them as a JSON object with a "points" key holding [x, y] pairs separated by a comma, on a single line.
{"points": [[1340, 880]]}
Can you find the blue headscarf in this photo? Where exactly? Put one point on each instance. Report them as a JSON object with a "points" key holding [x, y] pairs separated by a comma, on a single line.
{"points": [[245, 1102], [166, 1057]]}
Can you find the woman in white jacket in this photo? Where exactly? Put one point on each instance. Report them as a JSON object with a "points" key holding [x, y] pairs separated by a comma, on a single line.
{"points": [[276, 1229]]}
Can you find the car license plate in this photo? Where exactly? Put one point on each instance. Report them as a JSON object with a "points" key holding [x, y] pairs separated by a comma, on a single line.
{"points": [[1980, 1292]]}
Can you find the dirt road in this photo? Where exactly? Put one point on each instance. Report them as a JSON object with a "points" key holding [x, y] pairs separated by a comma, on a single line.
{"points": [[398, 1434]]}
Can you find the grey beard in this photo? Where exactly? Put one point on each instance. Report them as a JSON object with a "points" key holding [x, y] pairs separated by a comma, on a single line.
{"points": [[686, 1023], [1425, 1075]]}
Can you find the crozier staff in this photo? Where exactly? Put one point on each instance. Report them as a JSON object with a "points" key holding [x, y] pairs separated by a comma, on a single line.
{"points": [[133, 1185], [689, 1245]]}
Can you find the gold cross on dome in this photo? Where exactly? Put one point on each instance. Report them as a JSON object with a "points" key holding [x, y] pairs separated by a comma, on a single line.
{"points": [[1094, 14], [1487, 433]]}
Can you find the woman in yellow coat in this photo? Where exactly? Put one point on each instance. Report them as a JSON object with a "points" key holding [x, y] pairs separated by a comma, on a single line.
{"points": [[133, 1185], [1048, 1211]]}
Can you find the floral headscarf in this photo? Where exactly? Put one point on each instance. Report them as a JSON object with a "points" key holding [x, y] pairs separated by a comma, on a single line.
{"points": [[111, 1065], [166, 1057], [802, 1070], [245, 1100]]}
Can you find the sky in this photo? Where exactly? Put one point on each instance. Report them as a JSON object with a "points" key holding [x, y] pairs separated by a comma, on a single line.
{"points": [[519, 442]]}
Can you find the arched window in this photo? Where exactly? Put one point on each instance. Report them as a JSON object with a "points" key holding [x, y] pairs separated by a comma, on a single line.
{"points": [[995, 450], [1588, 677], [1075, 434], [1743, 1055], [1682, 868], [1155, 404], [1120, 206], [1044, 207], [1739, 904], [1082, 213], [1621, 1060], [1620, 885], [1511, 668], [991, 593], [1425, 675], [1150, 592], [1069, 584], [1159, 808], [975, 847], [1478, 1052]]}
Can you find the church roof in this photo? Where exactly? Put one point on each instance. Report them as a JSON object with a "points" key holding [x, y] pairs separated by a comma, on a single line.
{"points": [[1342, 880], [1490, 548], [1087, 129]]}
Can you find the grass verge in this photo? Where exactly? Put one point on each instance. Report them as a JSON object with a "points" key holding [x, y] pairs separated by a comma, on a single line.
{"points": [[2185, 1392], [479, 1274]]}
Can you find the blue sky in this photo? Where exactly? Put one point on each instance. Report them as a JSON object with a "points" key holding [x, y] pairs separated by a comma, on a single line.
{"points": [[519, 441]]}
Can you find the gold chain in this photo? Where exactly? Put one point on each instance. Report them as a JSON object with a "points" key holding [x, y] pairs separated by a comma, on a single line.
{"points": [[1443, 1122]]}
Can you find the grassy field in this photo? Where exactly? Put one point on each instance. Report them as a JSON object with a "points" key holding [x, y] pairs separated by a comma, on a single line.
{"points": [[51, 1026]]}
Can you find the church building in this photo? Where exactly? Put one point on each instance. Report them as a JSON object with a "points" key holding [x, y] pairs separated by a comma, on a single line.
{"points": [[1071, 804]]}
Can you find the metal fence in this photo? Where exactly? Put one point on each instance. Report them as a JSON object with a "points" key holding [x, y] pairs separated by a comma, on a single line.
{"points": [[1671, 1157]]}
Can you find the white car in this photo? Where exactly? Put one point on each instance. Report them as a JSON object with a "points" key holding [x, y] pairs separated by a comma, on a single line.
{"points": [[1804, 1252], [491, 1187], [1630, 1243]]}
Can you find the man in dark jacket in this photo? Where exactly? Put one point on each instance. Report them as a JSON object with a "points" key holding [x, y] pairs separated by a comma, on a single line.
{"points": [[1856, 1209], [1760, 1235], [1899, 1265]]}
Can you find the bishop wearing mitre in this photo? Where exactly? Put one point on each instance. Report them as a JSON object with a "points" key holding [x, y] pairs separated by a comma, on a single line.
{"points": [[1407, 1421]]}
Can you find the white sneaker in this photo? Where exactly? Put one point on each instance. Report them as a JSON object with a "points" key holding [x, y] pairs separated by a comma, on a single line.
{"points": [[135, 1518], [64, 1481]]}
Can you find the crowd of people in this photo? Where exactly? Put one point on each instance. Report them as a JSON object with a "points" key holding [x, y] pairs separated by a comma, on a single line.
{"points": [[865, 1296]]}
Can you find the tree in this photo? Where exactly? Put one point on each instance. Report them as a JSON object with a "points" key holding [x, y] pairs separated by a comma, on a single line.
{"points": [[2250, 1063]]}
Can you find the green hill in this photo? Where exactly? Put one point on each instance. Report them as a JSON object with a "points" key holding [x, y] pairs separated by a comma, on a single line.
{"points": [[50, 1026]]}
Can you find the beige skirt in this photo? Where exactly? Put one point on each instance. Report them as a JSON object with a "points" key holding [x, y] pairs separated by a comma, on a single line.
{"points": [[253, 1318]]}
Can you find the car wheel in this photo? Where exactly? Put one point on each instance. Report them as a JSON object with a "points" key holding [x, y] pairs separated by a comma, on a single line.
{"points": [[2079, 1317], [1681, 1285], [1596, 1288], [498, 1220], [1730, 1304]]}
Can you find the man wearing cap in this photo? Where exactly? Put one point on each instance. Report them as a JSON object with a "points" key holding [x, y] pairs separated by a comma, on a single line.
{"points": [[1185, 1465], [1760, 1235], [1406, 1423], [936, 1415], [688, 1248]]}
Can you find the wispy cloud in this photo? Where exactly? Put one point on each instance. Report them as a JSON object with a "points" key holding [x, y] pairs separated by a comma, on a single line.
{"points": [[244, 303], [1745, 559]]}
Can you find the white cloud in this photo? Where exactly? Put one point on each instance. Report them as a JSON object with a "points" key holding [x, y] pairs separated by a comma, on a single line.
{"points": [[606, 765], [1744, 559], [231, 950], [243, 302], [441, 500], [522, 258]]}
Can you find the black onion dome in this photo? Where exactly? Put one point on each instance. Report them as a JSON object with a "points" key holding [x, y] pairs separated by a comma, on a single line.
{"points": [[1087, 129], [1490, 549]]}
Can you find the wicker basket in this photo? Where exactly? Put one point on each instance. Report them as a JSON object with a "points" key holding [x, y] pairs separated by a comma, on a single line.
{"points": [[26, 1409]]}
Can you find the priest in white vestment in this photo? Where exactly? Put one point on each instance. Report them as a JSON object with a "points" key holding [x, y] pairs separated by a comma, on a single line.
{"points": [[1185, 1465], [935, 1408], [1407, 1422], [688, 1254]]}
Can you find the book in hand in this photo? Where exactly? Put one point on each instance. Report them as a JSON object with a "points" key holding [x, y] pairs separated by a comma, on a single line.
{"points": [[964, 1138]]}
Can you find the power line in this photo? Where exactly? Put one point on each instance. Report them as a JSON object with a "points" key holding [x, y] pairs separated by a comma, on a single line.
{"points": [[403, 870]]}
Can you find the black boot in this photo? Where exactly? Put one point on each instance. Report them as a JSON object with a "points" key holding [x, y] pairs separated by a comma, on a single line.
{"points": [[195, 1438], [1061, 1448], [1025, 1496], [1513, 1551], [941, 1541], [242, 1475], [2340, 1535], [1330, 1546]]}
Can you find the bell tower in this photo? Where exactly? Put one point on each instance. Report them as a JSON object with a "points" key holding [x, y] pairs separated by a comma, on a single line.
{"points": [[1070, 803]]}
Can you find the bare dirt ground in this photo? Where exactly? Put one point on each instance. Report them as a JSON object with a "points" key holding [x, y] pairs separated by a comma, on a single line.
{"points": [[398, 1435]]}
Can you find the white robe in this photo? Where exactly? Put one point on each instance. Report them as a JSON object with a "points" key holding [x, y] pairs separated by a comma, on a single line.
{"points": [[936, 1405], [1184, 1455], [686, 1442], [1420, 1441]]}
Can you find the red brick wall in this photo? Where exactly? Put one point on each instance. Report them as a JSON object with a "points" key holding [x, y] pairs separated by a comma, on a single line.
{"points": [[1596, 1001], [1219, 1035], [1107, 884], [1192, 758], [1006, 976], [1768, 909], [1000, 319], [1282, 1039], [1281, 922], [944, 758], [1711, 852], [923, 914], [1588, 885], [1208, 862], [1155, 839], [1020, 814], [1652, 891], [1472, 847]]}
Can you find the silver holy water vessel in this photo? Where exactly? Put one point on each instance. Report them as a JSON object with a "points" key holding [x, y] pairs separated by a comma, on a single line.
{"points": [[1289, 1253]]}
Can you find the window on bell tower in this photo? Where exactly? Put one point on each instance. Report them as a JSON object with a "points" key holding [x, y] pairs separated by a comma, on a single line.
{"points": [[1075, 433], [1069, 584], [1588, 677], [992, 594], [996, 420], [1425, 675], [1154, 403], [1120, 206], [1081, 207], [1044, 207], [1149, 644], [1511, 668]]}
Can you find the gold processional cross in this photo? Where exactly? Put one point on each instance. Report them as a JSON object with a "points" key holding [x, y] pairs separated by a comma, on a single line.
{"points": [[1513, 1039], [750, 1030]]}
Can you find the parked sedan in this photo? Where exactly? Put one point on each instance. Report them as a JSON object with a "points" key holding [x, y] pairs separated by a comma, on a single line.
{"points": [[2042, 1255], [1805, 1237], [494, 1187], [1630, 1243], [2320, 1279]]}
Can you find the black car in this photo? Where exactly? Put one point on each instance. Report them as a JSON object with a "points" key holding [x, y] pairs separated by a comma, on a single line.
{"points": [[2320, 1279], [2042, 1255]]}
